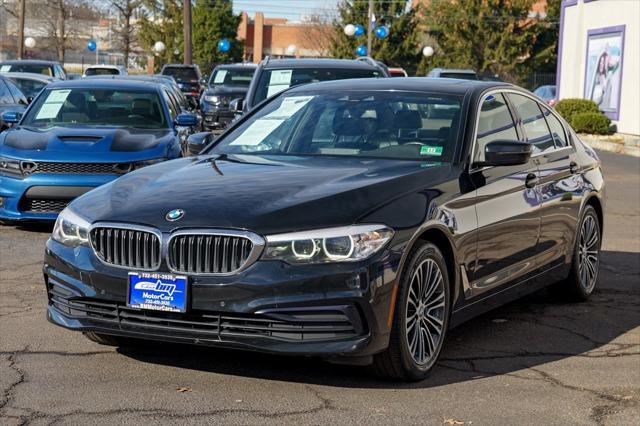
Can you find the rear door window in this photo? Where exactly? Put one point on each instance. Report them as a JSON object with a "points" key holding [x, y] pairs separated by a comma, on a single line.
{"points": [[5, 94], [557, 129]]}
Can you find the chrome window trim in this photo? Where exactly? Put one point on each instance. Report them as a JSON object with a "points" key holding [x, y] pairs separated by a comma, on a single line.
{"points": [[258, 244], [127, 226], [503, 90]]}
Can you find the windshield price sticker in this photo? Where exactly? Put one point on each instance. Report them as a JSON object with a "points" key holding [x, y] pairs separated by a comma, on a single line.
{"points": [[290, 106], [257, 132], [5, 68], [219, 77], [53, 104]]}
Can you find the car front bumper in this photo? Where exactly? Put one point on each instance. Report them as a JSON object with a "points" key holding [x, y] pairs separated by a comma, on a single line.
{"points": [[214, 118], [41, 196], [333, 311]]}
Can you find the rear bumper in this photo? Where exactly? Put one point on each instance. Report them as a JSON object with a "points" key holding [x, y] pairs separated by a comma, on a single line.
{"points": [[324, 310], [42, 196]]}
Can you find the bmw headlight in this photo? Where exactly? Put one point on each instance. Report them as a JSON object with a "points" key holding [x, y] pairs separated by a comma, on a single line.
{"points": [[344, 244], [70, 229], [10, 167], [212, 99]]}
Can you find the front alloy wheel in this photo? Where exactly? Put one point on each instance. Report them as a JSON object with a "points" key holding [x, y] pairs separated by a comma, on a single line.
{"points": [[420, 318]]}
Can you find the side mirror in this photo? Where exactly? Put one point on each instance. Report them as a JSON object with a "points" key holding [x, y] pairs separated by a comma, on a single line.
{"points": [[505, 153], [12, 117], [236, 105], [29, 99], [203, 80], [186, 119], [197, 141]]}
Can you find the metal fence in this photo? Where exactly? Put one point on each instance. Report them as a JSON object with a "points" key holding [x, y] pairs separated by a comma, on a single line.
{"points": [[538, 79]]}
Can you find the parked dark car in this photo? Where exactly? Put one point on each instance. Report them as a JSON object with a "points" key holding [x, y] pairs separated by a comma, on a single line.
{"points": [[11, 99], [30, 84], [189, 79], [275, 75], [77, 135], [354, 220], [460, 74], [50, 68], [227, 82]]}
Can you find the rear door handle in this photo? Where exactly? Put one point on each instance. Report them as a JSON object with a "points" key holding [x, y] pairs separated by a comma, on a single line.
{"points": [[573, 167], [531, 180]]}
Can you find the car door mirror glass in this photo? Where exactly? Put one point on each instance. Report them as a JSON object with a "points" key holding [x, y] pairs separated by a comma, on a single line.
{"points": [[11, 117], [505, 153], [186, 120]]}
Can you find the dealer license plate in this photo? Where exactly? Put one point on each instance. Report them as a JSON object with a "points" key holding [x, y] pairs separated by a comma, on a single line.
{"points": [[157, 291]]}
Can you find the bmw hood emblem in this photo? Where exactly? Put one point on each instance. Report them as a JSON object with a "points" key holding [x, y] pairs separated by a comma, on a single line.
{"points": [[174, 215]]}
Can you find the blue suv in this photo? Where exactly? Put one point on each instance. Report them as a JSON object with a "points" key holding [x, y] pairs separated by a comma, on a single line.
{"points": [[77, 135]]}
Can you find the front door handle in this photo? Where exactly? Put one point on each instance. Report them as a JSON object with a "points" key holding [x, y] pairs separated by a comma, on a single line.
{"points": [[573, 167], [531, 180]]}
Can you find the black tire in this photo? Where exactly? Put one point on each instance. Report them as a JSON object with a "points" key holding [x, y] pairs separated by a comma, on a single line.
{"points": [[397, 362], [575, 288], [109, 340]]}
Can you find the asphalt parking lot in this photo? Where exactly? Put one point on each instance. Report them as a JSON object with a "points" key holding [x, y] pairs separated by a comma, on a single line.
{"points": [[535, 361]]}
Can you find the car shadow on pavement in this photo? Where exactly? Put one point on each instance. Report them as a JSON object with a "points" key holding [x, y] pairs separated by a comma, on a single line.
{"points": [[519, 336]]}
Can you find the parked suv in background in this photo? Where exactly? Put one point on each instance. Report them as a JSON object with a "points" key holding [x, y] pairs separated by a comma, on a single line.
{"points": [[11, 99], [227, 82], [50, 68], [101, 70], [453, 73], [189, 78], [274, 76]]}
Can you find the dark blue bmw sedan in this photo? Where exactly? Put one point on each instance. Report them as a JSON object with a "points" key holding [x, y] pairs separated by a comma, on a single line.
{"points": [[78, 135]]}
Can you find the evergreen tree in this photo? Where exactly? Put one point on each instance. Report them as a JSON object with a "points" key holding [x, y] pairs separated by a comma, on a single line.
{"points": [[163, 22], [400, 48], [489, 36], [214, 20]]}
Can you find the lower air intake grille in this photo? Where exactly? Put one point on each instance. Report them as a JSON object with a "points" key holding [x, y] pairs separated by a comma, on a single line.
{"points": [[209, 254], [82, 168], [42, 205], [124, 247]]}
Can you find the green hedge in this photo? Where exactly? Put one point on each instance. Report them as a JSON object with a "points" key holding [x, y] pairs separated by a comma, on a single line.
{"points": [[567, 108], [591, 122]]}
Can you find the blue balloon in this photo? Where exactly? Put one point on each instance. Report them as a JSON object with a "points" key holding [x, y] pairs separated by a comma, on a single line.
{"points": [[359, 30], [224, 45], [382, 31], [361, 50], [91, 45]]}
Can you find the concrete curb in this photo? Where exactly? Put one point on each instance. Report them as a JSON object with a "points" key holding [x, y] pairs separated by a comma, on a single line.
{"points": [[619, 144]]}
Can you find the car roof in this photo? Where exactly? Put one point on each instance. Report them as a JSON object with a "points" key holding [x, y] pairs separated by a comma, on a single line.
{"points": [[30, 76], [317, 63], [180, 66], [410, 84], [105, 66], [106, 83], [456, 70], [29, 61], [238, 65]]}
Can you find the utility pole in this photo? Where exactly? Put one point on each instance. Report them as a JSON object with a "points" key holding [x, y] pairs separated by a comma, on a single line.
{"points": [[369, 29], [21, 29], [187, 32]]}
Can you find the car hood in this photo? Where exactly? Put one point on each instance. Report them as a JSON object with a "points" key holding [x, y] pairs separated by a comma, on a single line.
{"points": [[85, 144], [264, 194]]}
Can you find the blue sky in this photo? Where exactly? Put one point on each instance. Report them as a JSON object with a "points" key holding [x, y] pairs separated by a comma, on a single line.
{"points": [[290, 9]]}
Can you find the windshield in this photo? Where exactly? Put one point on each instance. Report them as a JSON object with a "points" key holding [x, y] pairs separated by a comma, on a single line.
{"points": [[101, 71], [181, 73], [231, 77], [399, 125], [32, 68], [29, 87], [97, 107], [275, 81]]}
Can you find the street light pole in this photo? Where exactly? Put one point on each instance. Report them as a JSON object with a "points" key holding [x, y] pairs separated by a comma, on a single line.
{"points": [[369, 29], [187, 32], [21, 29]]}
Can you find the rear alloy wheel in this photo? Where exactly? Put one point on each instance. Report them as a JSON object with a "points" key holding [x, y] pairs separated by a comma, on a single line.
{"points": [[421, 317], [586, 260]]}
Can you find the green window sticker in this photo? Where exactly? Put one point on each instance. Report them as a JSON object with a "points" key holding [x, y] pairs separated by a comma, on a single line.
{"points": [[431, 150]]}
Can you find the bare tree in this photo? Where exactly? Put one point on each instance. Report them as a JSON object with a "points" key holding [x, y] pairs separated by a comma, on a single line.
{"points": [[317, 35], [126, 33]]}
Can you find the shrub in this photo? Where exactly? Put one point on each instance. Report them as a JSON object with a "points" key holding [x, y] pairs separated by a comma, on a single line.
{"points": [[591, 122], [567, 108]]}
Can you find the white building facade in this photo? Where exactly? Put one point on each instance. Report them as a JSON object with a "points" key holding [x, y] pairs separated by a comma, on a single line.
{"points": [[599, 57]]}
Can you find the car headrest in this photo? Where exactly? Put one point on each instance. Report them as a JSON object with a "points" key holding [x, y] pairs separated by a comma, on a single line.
{"points": [[347, 124], [77, 100], [407, 119], [141, 106]]}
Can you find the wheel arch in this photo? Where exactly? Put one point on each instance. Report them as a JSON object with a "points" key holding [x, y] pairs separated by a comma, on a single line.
{"points": [[594, 201]]}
